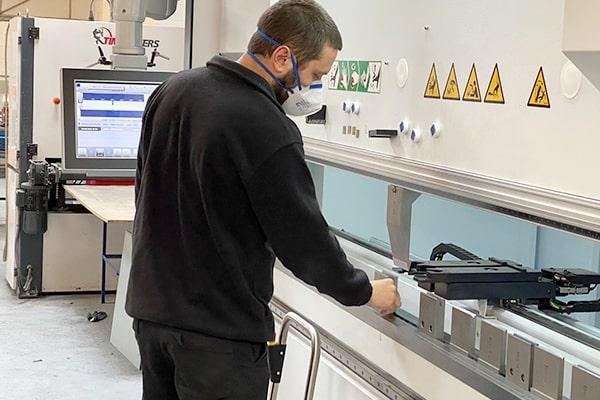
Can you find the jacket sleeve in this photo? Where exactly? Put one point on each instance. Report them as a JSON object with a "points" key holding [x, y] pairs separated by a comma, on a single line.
{"points": [[282, 195]]}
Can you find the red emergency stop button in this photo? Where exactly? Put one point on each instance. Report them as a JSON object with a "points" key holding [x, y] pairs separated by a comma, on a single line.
{"points": [[56, 100]]}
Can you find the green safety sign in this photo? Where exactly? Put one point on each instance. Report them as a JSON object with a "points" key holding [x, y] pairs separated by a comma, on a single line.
{"points": [[356, 76], [363, 70], [343, 81], [353, 76]]}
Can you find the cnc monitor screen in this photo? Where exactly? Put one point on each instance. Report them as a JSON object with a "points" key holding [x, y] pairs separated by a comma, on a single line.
{"points": [[108, 117], [103, 111]]}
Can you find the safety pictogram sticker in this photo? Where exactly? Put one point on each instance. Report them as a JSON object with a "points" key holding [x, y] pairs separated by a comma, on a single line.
{"points": [[539, 94], [344, 80], [354, 76], [452, 92], [472, 92], [334, 76], [432, 90], [375, 77], [495, 93]]}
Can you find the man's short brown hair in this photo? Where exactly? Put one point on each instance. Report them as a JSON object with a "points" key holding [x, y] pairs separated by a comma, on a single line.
{"points": [[303, 25]]}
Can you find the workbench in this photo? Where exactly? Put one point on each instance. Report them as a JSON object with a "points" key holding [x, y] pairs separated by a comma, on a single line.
{"points": [[111, 204]]}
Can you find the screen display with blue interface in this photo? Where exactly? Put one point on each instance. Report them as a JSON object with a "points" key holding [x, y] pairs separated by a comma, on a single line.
{"points": [[108, 117]]}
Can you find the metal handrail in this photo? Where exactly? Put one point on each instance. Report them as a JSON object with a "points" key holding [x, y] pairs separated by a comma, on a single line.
{"points": [[315, 355]]}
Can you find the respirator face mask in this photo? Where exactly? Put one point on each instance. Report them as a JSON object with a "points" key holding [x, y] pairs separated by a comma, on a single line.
{"points": [[301, 100]]}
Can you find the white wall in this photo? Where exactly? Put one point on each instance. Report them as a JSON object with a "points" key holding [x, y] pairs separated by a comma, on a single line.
{"points": [[239, 18], [224, 26]]}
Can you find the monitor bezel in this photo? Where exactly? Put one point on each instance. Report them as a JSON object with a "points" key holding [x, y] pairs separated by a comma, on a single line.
{"points": [[94, 167]]}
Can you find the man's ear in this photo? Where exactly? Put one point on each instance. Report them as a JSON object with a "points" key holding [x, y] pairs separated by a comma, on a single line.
{"points": [[281, 59]]}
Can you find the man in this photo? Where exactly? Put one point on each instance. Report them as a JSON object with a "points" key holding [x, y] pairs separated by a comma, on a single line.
{"points": [[222, 189]]}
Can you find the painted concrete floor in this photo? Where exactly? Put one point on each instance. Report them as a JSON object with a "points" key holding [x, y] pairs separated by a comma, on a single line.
{"points": [[49, 351]]}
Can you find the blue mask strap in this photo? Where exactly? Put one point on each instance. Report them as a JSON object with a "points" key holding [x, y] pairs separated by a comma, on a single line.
{"points": [[268, 38], [263, 66], [275, 43], [296, 73]]}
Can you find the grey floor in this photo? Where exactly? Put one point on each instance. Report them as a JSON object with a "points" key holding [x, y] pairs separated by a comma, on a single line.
{"points": [[48, 350]]}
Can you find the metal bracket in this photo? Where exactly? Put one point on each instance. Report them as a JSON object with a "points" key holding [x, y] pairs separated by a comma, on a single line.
{"points": [[432, 310], [275, 360], [548, 374], [32, 150], [399, 216], [519, 361], [463, 330], [585, 385], [492, 346], [34, 33]]}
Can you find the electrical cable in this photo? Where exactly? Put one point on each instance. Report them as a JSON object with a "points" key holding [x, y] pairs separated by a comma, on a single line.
{"points": [[555, 306]]}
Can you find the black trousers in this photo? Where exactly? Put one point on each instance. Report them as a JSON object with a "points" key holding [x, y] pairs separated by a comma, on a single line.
{"points": [[184, 365]]}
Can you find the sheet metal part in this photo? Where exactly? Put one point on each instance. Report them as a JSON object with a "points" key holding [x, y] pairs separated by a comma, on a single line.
{"points": [[585, 385], [548, 374], [463, 330], [519, 361], [432, 310], [492, 346]]}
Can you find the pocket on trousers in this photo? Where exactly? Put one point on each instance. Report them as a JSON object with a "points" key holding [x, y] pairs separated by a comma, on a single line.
{"points": [[251, 354], [204, 369]]}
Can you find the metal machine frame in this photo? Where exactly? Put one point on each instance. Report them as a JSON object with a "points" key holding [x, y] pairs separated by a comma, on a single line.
{"points": [[31, 246], [445, 339], [489, 368], [30, 49]]}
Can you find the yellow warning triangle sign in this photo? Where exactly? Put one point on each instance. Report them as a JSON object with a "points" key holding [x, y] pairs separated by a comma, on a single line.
{"points": [[472, 92], [494, 93], [451, 92], [433, 89], [539, 93]]}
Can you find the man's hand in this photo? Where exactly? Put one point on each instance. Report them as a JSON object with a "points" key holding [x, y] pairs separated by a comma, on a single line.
{"points": [[385, 297]]}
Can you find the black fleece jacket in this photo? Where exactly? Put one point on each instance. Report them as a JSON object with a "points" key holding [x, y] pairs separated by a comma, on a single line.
{"points": [[222, 189]]}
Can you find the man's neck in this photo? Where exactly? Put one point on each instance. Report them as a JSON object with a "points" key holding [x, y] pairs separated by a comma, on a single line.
{"points": [[247, 61]]}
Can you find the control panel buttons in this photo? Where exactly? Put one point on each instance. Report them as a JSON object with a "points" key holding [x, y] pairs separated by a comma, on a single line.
{"points": [[351, 107], [347, 106], [435, 130], [416, 136], [404, 127]]}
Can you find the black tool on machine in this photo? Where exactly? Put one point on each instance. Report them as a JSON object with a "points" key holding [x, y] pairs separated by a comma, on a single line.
{"points": [[32, 200], [503, 281]]}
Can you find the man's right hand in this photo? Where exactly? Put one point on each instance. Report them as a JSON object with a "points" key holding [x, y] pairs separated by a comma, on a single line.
{"points": [[385, 297]]}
